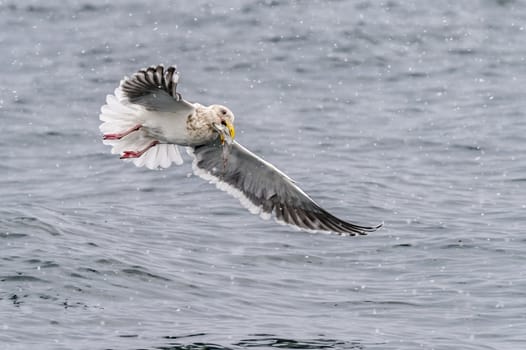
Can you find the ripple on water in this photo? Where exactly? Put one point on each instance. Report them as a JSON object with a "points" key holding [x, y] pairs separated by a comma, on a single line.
{"points": [[257, 341], [21, 226]]}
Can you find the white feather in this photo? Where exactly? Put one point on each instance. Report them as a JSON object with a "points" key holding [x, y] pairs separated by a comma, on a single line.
{"points": [[162, 156], [119, 115], [175, 155], [151, 158]]}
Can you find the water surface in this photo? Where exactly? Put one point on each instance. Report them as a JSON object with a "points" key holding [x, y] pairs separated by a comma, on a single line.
{"points": [[405, 112]]}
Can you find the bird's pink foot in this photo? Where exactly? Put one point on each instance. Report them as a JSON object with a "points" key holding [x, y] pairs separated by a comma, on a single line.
{"points": [[134, 154], [118, 136], [130, 154]]}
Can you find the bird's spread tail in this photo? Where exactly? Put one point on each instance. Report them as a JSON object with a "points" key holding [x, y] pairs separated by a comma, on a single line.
{"points": [[122, 129]]}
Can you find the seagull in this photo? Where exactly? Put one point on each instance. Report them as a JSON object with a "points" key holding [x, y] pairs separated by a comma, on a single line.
{"points": [[146, 121]]}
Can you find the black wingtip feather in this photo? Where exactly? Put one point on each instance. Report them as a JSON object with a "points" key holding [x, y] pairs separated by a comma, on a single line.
{"points": [[149, 80], [319, 219]]}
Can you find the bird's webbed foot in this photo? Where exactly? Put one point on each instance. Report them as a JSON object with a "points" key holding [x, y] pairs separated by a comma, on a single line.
{"points": [[137, 154]]}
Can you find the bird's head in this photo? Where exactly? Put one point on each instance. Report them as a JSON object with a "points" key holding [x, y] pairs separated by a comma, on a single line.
{"points": [[223, 123]]}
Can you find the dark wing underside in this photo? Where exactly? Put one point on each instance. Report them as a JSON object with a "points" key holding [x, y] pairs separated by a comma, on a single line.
{"points": [[270, 191], [154, 88]]}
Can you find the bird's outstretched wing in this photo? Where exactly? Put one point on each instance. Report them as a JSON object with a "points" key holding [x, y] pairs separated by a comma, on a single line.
{"points": [[264, 189], [154, 88]]}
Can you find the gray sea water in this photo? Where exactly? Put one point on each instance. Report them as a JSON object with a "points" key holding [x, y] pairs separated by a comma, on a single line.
{"points": [[406, 112]]}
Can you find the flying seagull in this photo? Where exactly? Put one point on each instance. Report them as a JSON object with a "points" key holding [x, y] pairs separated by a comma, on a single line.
{"points": [[146, 120]]}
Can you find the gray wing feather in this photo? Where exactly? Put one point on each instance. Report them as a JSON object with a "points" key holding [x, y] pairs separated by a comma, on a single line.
{"points": [[154, 88], [267, 188]]}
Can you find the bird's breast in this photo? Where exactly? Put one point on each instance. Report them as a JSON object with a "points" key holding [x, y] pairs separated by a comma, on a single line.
{"points": [[199, 128]]}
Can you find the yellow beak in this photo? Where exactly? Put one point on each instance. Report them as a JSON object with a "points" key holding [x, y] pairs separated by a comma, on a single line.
{"points": [[231, 129], [222, 131]]}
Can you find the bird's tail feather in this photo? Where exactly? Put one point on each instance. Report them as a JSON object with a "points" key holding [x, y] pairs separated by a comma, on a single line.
{"points": [[160, 156], [119, 116]]}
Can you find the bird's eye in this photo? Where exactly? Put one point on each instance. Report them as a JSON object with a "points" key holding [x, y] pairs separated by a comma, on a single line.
{"points": [[223, 111]]}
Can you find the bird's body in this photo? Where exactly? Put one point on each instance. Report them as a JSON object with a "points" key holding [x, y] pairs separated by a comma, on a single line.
{"points": [[184, 129], [146, 120]]}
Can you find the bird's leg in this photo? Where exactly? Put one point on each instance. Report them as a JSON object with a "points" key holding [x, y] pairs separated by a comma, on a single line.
{"points": [[118, 136], [134, 154]]}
